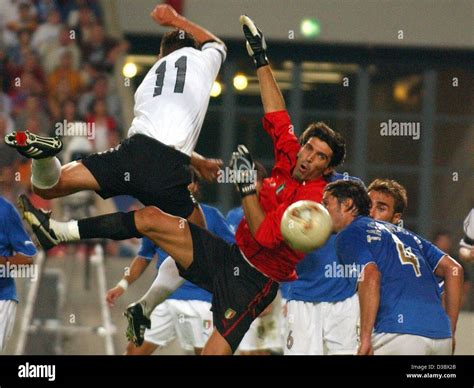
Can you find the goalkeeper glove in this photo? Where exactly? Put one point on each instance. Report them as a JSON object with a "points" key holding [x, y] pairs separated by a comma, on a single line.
{"points": [[256, 45], [244, 171]]}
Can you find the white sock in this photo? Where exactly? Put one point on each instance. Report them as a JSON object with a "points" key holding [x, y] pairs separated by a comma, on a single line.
{"points": [[65, 231], [45, 172], [166, 282]]}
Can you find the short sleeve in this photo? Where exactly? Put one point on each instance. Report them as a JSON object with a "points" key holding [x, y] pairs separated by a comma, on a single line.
{"points": [[431, 252], [147, 249], [214, 54], [19, 240]]}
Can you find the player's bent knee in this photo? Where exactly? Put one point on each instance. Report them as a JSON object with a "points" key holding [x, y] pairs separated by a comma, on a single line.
{"points": [[148, 219]]}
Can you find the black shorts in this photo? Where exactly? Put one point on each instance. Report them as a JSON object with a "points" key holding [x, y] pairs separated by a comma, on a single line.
{"points": [[240, 292], [153, 173]]}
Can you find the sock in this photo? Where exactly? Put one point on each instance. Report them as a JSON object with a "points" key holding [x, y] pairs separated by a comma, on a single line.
{"points": [[166, 282], [45, 172], [115, 226], [65, 231]]}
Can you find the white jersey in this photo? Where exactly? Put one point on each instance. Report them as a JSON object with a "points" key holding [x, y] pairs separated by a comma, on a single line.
{"points": [[172, 100]]}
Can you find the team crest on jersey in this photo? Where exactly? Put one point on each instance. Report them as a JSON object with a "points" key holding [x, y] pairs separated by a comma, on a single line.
{"points": [[207, 324], [229, 314], [280, 189]]}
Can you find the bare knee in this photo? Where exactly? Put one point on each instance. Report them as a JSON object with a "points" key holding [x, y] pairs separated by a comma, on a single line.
{"points": [[148, 219]]}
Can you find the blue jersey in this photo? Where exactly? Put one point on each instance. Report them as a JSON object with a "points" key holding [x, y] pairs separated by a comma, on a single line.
{"points": [[319, 277], [13, 239], [189, 291], [410, 298], [234, 216]]}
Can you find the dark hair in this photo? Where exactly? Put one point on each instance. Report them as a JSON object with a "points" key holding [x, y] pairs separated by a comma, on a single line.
{"points": [[394, 189], [334, 140], [175, 40], [261, 171], [354, 190]]}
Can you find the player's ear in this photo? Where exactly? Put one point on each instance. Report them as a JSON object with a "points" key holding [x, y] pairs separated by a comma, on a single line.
{"points": [[396, 218], [328, 171], [347, 205]]}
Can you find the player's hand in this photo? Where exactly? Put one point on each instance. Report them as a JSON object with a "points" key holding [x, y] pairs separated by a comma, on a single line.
{"points": [[245, 173], [365, 349], [113, 294], [165, 15], [256, 45], [208, 168]]}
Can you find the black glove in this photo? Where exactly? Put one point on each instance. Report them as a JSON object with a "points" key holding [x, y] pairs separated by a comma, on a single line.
{"points": [[244, 171], [256, 45]]}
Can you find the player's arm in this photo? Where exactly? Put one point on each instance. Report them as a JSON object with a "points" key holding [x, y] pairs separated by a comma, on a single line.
{"points": [[19, 242], [16, 259], [166, 15], [272, 98], [453, 274], [369, 299], [246, 179], [277, 122], [207, 168], [136, 269]]}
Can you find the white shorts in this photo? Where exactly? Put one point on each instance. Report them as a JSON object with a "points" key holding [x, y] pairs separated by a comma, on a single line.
{"points": [[7, 321], [265, 332], [322, 328], [189, 320], [193, 322], [409, 344]]}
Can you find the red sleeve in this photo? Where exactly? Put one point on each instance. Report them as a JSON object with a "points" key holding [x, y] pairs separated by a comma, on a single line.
{"points": [[286, 146], [268, 234]]}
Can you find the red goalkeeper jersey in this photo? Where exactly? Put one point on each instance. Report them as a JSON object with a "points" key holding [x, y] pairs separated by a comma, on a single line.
{"points": [[267, 250]]}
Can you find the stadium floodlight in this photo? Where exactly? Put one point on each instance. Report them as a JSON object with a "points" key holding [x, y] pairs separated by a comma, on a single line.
{"points": [[130, 70], [310, 27], [240, 82], [216, 89]]}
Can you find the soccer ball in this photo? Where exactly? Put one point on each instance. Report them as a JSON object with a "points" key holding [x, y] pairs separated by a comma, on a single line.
{"points": [[306, 225]]}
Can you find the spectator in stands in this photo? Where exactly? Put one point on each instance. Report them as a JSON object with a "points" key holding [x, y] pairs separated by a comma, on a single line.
{"points": [[48, 32], [23, 18], [105, 127], [101, 52], [101, 90], [33, 110], [51, 53], [58, 98], [20, 90], [17, 53], [65, 71], [82, 22]]}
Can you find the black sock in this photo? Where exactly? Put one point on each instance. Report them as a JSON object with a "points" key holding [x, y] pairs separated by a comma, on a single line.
{"points": [[115, 226]]}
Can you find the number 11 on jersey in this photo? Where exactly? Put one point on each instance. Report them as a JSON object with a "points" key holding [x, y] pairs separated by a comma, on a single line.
{"points": [[180, 64]]}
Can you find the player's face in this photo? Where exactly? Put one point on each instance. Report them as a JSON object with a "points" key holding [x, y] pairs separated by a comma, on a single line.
{"points": [[383, 207], [334, 209], [313, 160]]}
